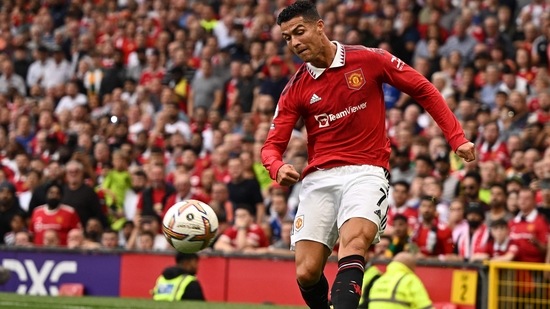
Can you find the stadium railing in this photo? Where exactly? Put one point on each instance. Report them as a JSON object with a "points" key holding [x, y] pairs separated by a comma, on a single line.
{"points": [[514, 285]]}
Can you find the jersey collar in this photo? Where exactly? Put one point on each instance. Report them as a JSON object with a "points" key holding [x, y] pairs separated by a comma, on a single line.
{"points": [[529, 218], [338, 61]]}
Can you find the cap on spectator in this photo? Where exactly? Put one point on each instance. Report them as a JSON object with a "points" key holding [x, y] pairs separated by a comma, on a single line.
{"points": [[442, 157], [7, 185], [276, 61], [475, 208], [515, 179], [42, 49], [275, 186]]}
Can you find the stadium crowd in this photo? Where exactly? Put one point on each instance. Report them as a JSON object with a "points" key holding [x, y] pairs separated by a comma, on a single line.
{"points": [[113, 110]]}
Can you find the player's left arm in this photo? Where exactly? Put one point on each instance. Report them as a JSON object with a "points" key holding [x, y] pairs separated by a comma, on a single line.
{"points": [[403, 77], [285, 117]]}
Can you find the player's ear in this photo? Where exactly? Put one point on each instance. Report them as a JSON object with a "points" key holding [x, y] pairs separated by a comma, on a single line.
{"points": [[320, 26]]}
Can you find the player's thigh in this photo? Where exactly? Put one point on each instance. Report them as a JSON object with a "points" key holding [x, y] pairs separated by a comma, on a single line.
{"points": [[356, 236], [365, 195], [317, 212]]}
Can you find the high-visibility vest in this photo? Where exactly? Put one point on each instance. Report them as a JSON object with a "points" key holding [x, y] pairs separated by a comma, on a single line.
{"points": [[369, 277], [399, 288], [171, 289]]}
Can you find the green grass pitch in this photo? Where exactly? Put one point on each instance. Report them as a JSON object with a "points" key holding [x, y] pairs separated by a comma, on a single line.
{"points": [[11, 301]]}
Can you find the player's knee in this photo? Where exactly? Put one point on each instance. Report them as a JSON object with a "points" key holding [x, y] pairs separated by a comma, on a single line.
{"points": [[308, 273]]}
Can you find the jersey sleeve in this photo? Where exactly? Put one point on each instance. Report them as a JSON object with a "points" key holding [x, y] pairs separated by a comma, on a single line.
{"points": [[285, 117], [398, 74]]}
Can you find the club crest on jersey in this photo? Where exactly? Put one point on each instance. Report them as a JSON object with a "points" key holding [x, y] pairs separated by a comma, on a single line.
{"points": [[355, 79], [298, 223]]}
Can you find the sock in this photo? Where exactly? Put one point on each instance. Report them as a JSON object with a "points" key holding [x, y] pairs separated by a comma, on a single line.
{"points": [[346, 290], [316, 296]]}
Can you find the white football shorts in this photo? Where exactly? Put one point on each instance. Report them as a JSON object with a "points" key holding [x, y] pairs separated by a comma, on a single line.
{"points": [[331, 197]]}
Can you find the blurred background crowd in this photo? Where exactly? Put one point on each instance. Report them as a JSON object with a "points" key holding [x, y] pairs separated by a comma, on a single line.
{"points": [[113, 110]]}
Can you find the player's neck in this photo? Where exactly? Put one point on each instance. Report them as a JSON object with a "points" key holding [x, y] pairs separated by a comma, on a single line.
{"points": [[327, 56]]}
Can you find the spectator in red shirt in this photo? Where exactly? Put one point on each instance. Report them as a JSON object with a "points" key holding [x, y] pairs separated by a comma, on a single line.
{"points": [[54, 216], [153, 70], [491, 148], [400, 196], [244, 235], [432, 238], [529, 229], [501, 247]]}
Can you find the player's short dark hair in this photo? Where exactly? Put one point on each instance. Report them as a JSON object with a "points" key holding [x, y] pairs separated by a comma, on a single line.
{"points": [[304, 8], [400, 217]]}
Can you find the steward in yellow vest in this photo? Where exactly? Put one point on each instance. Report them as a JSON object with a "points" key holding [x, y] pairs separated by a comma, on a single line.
{"points": [[179, 282], [399, 287], [369, 277]]}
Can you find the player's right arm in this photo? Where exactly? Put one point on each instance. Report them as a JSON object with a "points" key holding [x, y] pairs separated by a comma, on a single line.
{"points": [[286, 115]]}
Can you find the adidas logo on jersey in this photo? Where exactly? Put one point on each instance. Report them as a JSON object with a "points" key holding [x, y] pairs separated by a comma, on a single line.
{"points": [[314, 99]]}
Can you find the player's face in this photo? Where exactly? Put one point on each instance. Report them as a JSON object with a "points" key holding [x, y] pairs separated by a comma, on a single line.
{"points": [[303, 37]]}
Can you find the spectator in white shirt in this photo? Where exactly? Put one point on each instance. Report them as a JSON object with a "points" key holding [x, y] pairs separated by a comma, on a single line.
{"points": [[35, 76], [58, 70], [71, 100], [10, 81], [138, 181], [174, 124]]}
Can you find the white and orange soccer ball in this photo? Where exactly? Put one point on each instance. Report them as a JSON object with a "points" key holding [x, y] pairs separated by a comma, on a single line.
{"points": [[190, 226]]}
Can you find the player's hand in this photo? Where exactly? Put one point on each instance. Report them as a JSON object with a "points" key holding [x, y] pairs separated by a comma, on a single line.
{"points": [[467, 152], [287, 175]]}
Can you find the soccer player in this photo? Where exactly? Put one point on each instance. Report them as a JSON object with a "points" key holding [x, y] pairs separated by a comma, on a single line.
{"points": [[338, 94]]}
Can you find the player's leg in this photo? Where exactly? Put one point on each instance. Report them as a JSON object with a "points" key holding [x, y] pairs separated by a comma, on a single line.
{"points": [[361, 219], [314, 234], [356, 235], [311, 257]]}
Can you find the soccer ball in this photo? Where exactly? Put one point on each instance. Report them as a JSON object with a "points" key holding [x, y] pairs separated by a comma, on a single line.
{"points": [[190, 226]]}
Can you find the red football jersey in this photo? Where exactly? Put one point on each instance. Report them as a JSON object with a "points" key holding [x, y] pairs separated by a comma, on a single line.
{"points": [[434, 241], [522, 231], [409, 212], [508, 246], [63, 219], [344, 113]]}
